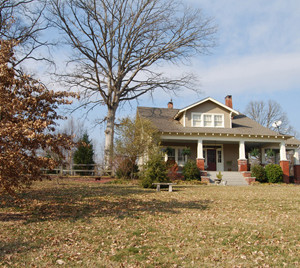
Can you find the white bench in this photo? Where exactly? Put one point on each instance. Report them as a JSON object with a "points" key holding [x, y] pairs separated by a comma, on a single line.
{"points": [[158, 184]]}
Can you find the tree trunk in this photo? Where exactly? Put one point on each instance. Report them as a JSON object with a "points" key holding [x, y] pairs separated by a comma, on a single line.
{"points": [[109, 137]]}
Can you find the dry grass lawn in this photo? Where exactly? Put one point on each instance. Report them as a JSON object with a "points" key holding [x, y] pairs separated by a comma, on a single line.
{"points": [[86, 224]]}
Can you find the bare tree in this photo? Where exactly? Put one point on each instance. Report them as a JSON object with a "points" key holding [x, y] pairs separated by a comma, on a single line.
{"points": [[22, 21], [75, 129], [266, 113], [135, 137], [117, 45]]}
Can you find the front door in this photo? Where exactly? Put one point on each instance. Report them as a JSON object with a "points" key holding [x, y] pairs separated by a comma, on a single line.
{"points": [[211, 160]]}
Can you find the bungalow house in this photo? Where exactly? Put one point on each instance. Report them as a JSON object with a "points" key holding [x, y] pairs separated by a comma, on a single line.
{"points": [[220, 138]]}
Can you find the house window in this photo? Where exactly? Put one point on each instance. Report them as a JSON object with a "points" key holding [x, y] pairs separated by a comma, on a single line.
{"points": [[176, 155], [219, 120], [197, 120], [181, 157], [171, 154], [208, 120]]}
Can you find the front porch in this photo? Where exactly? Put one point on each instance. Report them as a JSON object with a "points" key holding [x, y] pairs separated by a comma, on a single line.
{"points": [[231, 155]]}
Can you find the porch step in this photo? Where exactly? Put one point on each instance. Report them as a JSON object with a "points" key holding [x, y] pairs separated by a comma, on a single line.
{"points": [[233, 178]]}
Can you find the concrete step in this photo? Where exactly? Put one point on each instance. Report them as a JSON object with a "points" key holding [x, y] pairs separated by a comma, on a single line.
{"points": [[233, 178]]}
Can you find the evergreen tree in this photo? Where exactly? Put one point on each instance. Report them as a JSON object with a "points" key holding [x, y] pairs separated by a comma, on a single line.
{"points": [[155, 169], [84, 155]]}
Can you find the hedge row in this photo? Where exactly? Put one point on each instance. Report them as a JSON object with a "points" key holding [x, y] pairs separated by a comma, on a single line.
{"points": [[270, 173]]}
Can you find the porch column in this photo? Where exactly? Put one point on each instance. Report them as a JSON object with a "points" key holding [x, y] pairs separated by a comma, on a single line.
{"points": [[296, 168], [296, 156], [282, 152], [242, 161], [284, 163], [200, 159]]}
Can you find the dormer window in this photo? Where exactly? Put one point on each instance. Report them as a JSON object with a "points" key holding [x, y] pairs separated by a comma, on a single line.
{"points": [[219, 120], [207, 120], [197, 122]]}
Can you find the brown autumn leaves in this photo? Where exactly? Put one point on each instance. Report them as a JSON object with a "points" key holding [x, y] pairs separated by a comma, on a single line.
{"points": [[27, 123]]}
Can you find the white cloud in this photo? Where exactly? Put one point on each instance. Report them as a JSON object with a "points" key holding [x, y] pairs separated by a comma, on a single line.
{"points": [[259, 48], [268, 72], [254, 26], [256, 73]]}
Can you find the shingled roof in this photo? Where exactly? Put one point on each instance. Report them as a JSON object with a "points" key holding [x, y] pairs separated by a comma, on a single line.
{"points": [[163, 119], [293, 142]]}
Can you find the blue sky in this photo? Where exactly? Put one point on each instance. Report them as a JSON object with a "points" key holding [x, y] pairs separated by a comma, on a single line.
{"points": [[257, 58]]}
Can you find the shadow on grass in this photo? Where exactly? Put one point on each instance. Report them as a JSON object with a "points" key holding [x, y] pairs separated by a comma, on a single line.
{"points": [[16, 246], [64, 192], [12, 217], [83, 202]]}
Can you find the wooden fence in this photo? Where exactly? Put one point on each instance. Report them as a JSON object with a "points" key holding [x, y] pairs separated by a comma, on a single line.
{"points": [[94, 170]]}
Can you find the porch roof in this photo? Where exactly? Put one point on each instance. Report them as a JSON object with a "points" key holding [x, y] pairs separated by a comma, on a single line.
{"points": [[163, 119], [293, 142]]}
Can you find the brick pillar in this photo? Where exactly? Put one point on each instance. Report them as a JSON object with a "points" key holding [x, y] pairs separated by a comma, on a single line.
{"points": [[285, 166], [200, 163], [297, 174], [243, 165]]}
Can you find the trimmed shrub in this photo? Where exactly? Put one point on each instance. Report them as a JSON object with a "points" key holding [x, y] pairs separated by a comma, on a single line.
{"points": [[259, 173], [155, 171], [274, 173], [190, 171], [127, 169]]}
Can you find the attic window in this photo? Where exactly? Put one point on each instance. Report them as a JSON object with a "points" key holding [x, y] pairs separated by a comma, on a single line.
{"points": [[197, 122], [207, 120], [219, 120]]}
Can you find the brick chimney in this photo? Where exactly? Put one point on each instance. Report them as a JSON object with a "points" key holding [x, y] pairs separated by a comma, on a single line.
{"points": [[228, 101], [170, 104]]}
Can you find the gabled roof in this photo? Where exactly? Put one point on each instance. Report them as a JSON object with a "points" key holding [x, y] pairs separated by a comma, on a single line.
{"points": [[234, 112], [163, 119]]}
